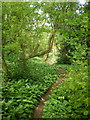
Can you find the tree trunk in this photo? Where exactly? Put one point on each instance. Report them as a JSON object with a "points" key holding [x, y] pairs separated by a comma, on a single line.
{"points": [[45, 57]]}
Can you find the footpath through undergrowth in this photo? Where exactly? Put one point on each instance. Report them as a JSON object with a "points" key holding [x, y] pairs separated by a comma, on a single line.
{"points": [[39, 109]]}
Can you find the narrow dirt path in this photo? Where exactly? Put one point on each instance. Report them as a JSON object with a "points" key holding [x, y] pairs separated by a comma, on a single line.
{"points": [[39, 109]]}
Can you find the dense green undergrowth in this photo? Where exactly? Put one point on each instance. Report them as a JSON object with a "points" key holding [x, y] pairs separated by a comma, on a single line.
{"points": [[21, 95], [65, 67], [70, 98]]}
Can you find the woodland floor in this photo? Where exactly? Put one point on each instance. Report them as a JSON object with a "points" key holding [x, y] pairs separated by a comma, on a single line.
{"points": [[39, 109]]}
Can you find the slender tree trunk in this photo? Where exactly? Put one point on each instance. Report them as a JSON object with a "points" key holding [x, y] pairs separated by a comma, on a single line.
{"points": [[22, 62], [45, 57]]}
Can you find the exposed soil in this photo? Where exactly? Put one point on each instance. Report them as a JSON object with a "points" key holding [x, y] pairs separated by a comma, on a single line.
{"points": [[39, 109]]}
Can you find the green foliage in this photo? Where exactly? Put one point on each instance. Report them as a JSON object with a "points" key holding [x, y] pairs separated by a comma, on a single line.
{"points": [[63, 59], [70, 98], [21, 95], [26, 33], [72, 35], [65, 67]]}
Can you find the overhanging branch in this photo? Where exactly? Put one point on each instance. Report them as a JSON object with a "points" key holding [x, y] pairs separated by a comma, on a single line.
{"points": [[50, 44]]}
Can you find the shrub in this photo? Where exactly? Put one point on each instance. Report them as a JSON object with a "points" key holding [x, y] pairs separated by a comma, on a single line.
{"points": [[70, 98]]}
